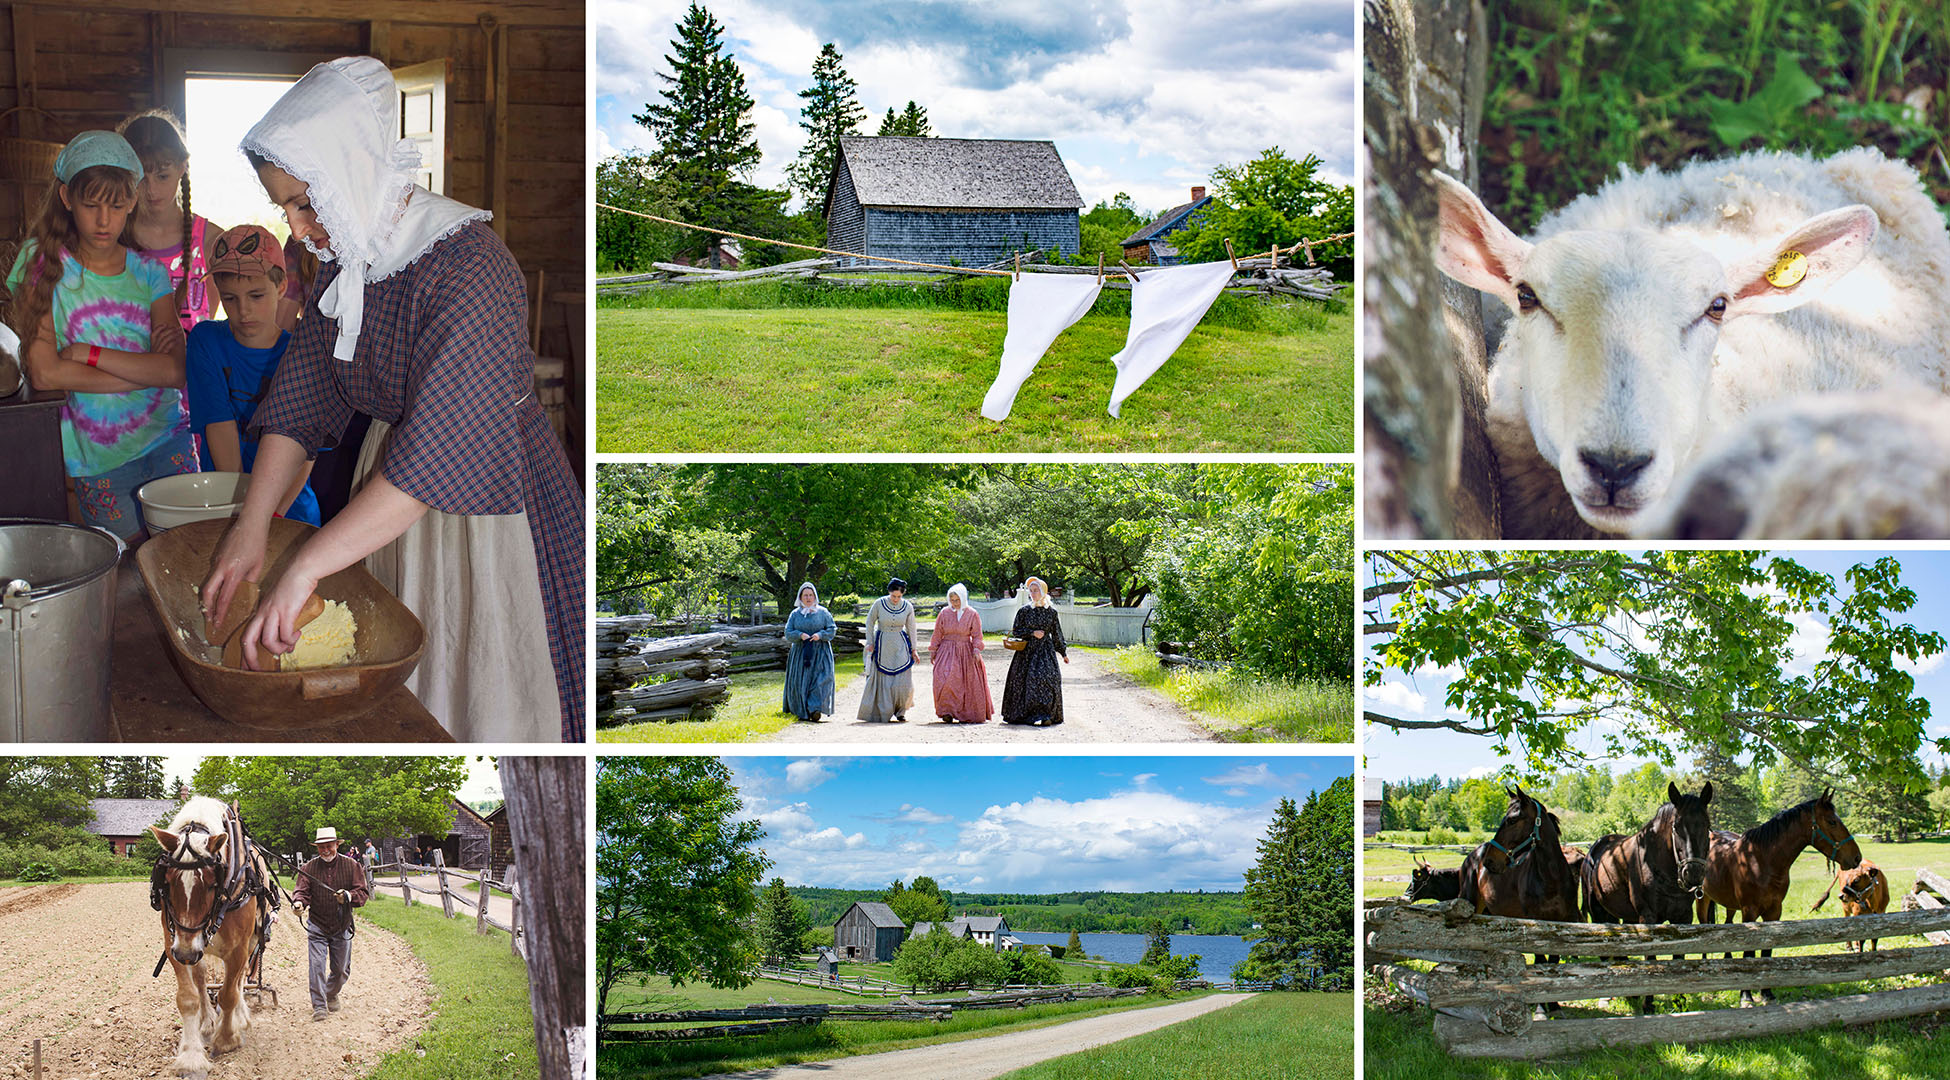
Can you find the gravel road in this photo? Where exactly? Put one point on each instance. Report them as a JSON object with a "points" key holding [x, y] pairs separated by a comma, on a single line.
{"points": [[76, 977], [979, 1059]]}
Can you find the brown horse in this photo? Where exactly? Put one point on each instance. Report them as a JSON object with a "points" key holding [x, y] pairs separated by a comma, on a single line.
{"points": [[1522, 870], [216, 897], [1654, 875], [1865, 891], [1749, 873]]}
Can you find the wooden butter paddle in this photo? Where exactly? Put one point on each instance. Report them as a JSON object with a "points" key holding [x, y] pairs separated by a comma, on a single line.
{"points": [[233, 646], [243, 604]]}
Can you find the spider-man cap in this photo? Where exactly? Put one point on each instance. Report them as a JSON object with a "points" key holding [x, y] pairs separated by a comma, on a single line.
{"points": [[250, 250]]}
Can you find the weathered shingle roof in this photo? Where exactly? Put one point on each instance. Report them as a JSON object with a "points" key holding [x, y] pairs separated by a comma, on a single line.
{"points": [[983, 924], [880, 914], [958, 174], [128, 817], [1169, 219]]}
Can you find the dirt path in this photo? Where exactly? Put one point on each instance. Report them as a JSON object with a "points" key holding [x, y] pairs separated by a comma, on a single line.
{"points": [[979, 1059], [76, 976], [1099, 706]]}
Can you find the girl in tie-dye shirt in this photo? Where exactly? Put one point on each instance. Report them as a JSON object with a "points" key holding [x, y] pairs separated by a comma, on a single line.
{"points": [[101, 324]]}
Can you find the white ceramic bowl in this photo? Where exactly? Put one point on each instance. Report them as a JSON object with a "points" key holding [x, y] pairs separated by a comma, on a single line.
{"points": [[170, 501]]}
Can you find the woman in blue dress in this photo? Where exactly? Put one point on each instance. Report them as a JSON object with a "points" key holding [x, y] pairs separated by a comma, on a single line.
{"points": [[809, 631]]}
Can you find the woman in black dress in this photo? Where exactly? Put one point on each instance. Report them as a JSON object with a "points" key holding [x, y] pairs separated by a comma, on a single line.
{"points": [[1034, 692]]}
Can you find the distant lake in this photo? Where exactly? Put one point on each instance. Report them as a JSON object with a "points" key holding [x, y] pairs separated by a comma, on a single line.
{"points": [[1216, 953]]}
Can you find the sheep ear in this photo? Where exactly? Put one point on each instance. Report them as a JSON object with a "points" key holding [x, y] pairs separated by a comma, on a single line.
{"points": [[1829, 246], [1474, 247]]}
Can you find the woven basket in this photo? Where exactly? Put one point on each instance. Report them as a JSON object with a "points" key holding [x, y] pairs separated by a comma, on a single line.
{"points": [[27, 159]]}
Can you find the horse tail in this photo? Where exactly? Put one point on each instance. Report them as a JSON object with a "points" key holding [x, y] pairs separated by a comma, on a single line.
{"points": [[1823, 898]]}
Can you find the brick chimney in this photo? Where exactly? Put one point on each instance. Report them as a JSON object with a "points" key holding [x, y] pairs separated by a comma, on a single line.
{"points": [[1198, 193]]}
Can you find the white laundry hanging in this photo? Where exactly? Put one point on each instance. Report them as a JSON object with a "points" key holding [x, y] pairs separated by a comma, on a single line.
{"points": [[1165, 304], [1041, 306]]}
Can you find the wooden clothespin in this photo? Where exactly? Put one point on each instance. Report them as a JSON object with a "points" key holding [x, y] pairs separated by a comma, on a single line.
{"points": [[1132, 274], [1100, 268], [1273, 258], [1230, 255], [1310, 250], [1018, 266]]}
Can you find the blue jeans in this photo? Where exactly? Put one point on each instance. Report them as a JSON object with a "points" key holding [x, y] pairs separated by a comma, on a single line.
{"points": [[109, 500]]}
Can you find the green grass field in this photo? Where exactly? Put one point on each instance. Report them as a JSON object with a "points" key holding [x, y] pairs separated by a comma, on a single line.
{"points": [[1400, 1044], [754, 712], [823, 380], [1271, 1037], [1240, 708], [482, 1027], [821, 1042]]}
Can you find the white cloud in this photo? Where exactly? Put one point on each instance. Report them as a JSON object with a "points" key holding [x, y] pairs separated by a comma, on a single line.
{"points": [[807, 774], [1243, 775], [1397, 696], [921, 815], [1807, 644], [1923, 666]]}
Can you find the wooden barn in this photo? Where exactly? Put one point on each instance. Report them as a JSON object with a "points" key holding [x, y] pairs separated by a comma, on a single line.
{"points": [[491, 89], [1152, 245], [868, 932], [124, 822], [501, 842], [465, 844], [966, 202], [1371, 799]]}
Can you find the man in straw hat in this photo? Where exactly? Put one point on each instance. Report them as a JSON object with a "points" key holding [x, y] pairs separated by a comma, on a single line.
{"points": [[329, 887]]}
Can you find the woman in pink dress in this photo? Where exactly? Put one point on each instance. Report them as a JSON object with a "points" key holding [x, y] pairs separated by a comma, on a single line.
{"points": [[961, 683]]}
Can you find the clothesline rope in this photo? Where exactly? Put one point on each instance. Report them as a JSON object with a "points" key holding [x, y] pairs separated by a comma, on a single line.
{"points": [[883, 258]]}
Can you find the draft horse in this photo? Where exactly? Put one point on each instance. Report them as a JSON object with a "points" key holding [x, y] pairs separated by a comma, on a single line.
{"points": [[217, 898], [1748, 873], [1655, 874], [1865, 891]]}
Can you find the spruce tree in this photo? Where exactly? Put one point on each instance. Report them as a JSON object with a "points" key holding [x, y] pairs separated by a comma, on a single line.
{"points": [[1734, 804], [832, 109], [704, 141], [911, 121], [1157, 947], [782, 923], [1301, 893], [1075, 949]]}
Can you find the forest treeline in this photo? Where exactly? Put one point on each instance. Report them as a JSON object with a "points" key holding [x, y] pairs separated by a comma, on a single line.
{"points": [[1085, 912]]}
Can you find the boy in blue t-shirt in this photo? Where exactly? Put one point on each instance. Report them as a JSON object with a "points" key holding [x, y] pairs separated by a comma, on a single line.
{"points": [[231, 361]]}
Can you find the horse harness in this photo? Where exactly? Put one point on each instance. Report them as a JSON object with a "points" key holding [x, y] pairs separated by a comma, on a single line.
{"points": [[238, 881], [1516, 855], [1864, 885]]}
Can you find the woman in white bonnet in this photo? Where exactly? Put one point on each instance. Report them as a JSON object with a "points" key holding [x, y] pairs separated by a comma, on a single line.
{"points": [[468, 509]]}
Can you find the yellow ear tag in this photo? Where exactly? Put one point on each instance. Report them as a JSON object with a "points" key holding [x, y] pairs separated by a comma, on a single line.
{"points": [[1788, 270]]}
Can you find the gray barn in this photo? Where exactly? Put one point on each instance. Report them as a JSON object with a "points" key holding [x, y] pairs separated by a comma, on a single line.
{"points": [[963, 201], [868, 931]]}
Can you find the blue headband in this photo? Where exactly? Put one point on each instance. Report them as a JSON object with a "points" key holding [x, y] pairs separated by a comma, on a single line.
{"points": [[91, 148]]}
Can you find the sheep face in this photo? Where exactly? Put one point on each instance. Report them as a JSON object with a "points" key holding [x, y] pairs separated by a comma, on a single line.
{"points": [[1609, 359], [1607, 364]]}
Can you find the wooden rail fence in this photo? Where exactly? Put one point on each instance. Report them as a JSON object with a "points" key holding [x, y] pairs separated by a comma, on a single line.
{"points": [[762, 1019], [697, 667], [448, 881], [1482, 991]]}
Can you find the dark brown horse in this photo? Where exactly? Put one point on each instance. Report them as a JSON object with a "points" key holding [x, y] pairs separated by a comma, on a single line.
{"points": [[1425, 882], [1748, 873], [1522, 870], [1655, 874], [1865, 891]]}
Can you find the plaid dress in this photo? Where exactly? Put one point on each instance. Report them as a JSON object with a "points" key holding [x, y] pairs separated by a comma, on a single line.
{"points": [[443, 358]]}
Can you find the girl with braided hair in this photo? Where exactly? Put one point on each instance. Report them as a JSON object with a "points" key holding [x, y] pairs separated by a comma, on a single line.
{"points": [[163, 229]]}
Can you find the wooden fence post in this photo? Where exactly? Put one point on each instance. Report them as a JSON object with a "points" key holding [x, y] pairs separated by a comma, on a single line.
{"points": [[548, 818], [481, 903], [514, 912], [440, 875], [405, 890]]}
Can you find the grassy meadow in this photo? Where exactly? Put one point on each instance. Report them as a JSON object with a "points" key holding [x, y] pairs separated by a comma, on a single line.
{"points": [[1242, 708], [1401, 1046], [816, 1043], [766, 367], [1271, 1037]]}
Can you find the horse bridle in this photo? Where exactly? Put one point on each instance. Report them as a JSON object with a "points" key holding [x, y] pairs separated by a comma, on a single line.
{"points": [[1516, 855], [1834, 855], [1863, 885], [173, 863]]}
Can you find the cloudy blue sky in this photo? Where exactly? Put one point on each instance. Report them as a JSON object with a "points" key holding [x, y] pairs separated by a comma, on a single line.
{"points": [[1026, 824], [1393, 755], [1140, 96]]}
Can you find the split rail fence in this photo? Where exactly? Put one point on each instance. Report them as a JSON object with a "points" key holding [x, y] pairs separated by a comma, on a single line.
{"points": [[762, 1019], [698, 666], [448, 887], [1483, 991]]}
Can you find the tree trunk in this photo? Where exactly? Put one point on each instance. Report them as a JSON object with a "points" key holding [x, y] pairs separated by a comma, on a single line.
{"points": [[546, 815]]}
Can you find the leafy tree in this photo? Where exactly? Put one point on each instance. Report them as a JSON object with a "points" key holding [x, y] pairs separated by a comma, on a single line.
{"points": [[1157, 945], [629, 180], [133, 778], [284, 800], [705, 142], [1270, 200], [1103, 227], [920, 902], [1030, 967], [676, 873], [782, 923], [1178, 967], [832, 109], [1940, 807], [1301, 892], [45, 800], [1690, 643], [912, 121], [938, 960]]}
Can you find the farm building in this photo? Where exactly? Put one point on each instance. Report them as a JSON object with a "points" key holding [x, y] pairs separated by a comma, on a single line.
{"points": [[1371, 799], [123, 822], [989, 930], [501, 842], [1151, 244], [868, 931], [466, 843], [968, 202]]}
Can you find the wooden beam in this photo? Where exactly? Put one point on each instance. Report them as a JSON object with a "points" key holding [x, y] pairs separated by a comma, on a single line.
{"points": [[379, 41], [566, 13], [27, 89], [1558, 1037], [498, 111]]}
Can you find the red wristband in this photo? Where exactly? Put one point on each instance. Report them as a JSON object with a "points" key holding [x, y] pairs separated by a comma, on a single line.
{"points": [[94, 355]]}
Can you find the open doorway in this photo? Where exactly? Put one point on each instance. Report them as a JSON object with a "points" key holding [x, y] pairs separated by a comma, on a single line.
{"points": [[217, 113]]}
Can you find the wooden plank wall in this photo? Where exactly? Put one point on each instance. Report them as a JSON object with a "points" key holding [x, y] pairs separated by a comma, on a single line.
{"points": [[94, 64]]}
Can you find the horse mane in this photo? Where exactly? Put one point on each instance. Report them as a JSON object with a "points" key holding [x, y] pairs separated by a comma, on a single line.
{"points": [[1666, 815], [200, 810], [1773, 827]]}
